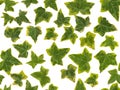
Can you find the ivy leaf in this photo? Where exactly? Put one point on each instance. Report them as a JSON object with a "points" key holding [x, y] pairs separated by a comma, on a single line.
{"points": [[80, 85], [1, 78], [18, 78], [33, 32], [92, 79], [69, 34], [7, 18], [57, 54], [23, 48], [13, 33], [81, 23], [110, 42], [28, 2], [105, 59], [77, 6], [50, 3], [51, 34], [82, 60], [42, 15], [119, 67], [29, 87], [104, 26], [36, 59], [8, 61], [70, 73], [7, 88], [61, 20], [112, 6], [42, 76], [114, 76], [22, 17], [52, 87], [114, 87]]}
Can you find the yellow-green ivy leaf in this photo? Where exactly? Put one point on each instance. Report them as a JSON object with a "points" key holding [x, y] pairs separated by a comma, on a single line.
{"points": [[1, 78], [7, 88], [29, 87], [29, 2], [52, 87], [80, 85]]}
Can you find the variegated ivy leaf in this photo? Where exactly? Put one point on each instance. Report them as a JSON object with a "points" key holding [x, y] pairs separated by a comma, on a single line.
{"points": [[8, 61], [105, 59], [50, 3], [1, 78], [70, 73], [29, 87], [34, 32], [52, 87], [57, 54], [42, 15], [114, 86], [13, 33], [104, 26], [80, 85], [82, 60], [81, 23], [42, 76], [77, 6], [29, 2], [61, 19], [23, 49], [88, 41]]}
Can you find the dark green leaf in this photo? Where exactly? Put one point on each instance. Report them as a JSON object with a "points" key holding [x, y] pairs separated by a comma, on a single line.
{"points": [[13, 33], [105, 59], [42, 76], [61, 20], [8, 61], [82, 60], [7, 88], [1, 78], [22, 17], [57, 54], [80, 85], [36, 59], [109, 42], [77, 6], [50, 3], [69, 34], [81, 23], [29, 87], [33, 32], [29, 2], [52, 87], [51, 34], [104, 26], [88, 41], [23, 48], [42, 15], [70, 73]]}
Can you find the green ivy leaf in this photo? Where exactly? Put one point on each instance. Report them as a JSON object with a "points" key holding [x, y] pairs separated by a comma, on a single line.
{"points": [[23, 49], [36, 59], [7, 18], [77, 6], [82, 60], [57, 54], [42, 15], [81, 23], [42, 76], [61, 20], [119, 67], [8, 61], [112, 6], [7, 88], [114, 76], [88, 41], [18, 78], [29, 87], [13, 33], [80, 85], [105, 59], [110, 42], [50, 3], [52, 87], [104, 26], [51, 34], [22, 17], [34, 32], [70, 73], [92, 79], [29, 2], [69, 34], [1, 78]]}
